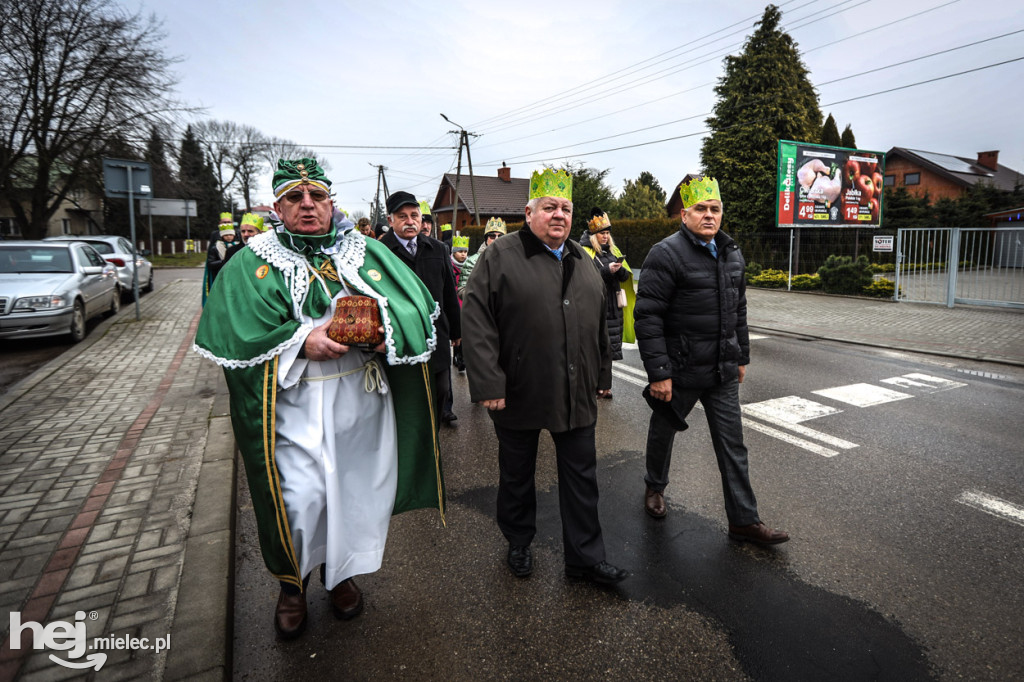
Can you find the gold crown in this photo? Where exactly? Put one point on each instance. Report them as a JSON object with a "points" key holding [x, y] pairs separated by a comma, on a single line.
{"points": [[551, 183], [254, 220], [699, 189], [495, 225], [460, 243], [599, 223]]}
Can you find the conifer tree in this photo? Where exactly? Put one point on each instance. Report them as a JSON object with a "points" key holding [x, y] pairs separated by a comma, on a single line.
{"points": [[198, 181], [848, 140], [830, 133], [765, 95]]}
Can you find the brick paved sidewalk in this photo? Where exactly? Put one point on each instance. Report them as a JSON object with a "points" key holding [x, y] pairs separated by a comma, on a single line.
{"points": [[967, 332], [100, 459]]}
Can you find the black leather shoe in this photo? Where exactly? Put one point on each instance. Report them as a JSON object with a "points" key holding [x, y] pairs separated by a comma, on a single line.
{"points": [[602, 573], [654, 504], [520, 560], [290, 616], [448, 417], [757, 533]]}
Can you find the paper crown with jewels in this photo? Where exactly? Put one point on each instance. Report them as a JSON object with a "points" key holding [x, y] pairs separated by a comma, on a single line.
{"points": [[699, 189], [226, 218], [447, 227], [226, 226], [598, 222], [495, 225], [424, 208], [255, 220], [460, 243], [551, 183]]}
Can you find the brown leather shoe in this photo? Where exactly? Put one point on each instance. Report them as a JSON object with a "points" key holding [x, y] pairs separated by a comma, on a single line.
{"points": [[758, 533], [654, 504], [290, 617], [346, 600]]}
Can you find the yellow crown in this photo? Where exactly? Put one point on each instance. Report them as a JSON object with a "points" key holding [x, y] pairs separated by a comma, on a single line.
{"points": [[551, 183], [225, 218], [424, 208], [254, 220], [699, 189], [598, 223], [496, 225], [447, 227], [460, 243]]}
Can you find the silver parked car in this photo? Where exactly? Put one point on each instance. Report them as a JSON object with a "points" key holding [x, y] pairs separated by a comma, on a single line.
{"points": [[119, 251], [53, 288]]}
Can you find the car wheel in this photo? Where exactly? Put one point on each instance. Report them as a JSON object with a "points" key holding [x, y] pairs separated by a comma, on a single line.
{"points": [[77, 330], [149, 285], [115, 303]]}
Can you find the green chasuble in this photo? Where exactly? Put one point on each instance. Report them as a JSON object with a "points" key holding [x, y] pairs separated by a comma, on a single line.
{"points": [[256, 312], [628, 334]]}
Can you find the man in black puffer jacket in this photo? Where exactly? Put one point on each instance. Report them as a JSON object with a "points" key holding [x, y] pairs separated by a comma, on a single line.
{"points": [[691, 326]]}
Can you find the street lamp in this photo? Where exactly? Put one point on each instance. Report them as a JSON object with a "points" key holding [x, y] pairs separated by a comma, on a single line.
{"points": [[463, 140]]}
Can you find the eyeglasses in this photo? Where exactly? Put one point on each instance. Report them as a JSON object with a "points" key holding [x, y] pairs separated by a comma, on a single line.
{"points": [[295, 196]]}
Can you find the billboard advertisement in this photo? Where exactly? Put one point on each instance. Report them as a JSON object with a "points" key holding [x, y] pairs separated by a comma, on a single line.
{"points": [[821, 186]]}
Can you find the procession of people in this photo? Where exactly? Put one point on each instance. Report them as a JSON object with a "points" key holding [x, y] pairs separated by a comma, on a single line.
{"points": [[337, 344]]}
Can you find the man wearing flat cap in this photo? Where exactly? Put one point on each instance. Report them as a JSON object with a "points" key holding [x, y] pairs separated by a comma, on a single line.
{"points": [[539, 357], [691, 327], [430, 260], [327, 459]]}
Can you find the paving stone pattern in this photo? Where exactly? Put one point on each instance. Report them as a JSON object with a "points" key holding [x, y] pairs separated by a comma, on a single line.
{"points": [[99, 462]]}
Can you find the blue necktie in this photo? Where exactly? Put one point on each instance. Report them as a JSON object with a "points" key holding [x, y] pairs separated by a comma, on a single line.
{"points": [[713, 248]]}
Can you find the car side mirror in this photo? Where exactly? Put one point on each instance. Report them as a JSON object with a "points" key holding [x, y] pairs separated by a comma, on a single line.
{"points": [[93, 270]]}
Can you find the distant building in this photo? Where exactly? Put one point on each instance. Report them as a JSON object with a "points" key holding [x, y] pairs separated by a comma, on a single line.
{"points": [[500, 196], [675, 202], [944, 176]]}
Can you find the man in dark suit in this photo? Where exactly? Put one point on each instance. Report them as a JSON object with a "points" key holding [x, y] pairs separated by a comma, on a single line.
{"points": [[429, 259], [538, 358]]}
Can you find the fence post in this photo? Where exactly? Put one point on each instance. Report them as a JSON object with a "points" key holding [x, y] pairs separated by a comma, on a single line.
{"points": [[952, 265]]}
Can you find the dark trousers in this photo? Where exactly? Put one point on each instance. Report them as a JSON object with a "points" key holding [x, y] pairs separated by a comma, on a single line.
{"points": [[576, 456], [442, 391], [722, 407]]}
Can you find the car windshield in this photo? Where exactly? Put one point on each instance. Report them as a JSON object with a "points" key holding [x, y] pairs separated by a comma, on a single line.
{"points": [[34, 259]]}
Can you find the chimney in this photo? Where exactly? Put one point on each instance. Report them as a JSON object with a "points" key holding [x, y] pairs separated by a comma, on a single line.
{"points": [[989, 159], [505, 173]]}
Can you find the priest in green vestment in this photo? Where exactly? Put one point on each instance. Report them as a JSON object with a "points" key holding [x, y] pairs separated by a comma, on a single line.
{"points": [[335, 439]]}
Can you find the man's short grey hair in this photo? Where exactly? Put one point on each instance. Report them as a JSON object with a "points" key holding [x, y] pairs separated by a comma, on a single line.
{"points": [[532, 203]]}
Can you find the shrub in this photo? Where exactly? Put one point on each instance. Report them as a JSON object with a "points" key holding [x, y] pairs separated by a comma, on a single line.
{"points": [[881, 288], [752, 270], [770, 279], [843, 275], [806, 282], [883, 267]]}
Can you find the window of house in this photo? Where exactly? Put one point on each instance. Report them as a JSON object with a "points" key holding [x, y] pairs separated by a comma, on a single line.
{"points": [[7, 227], [888, 181], [65, 226], [912, 179]]}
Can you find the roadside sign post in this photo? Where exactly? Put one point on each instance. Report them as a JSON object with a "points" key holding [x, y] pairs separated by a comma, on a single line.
{"points": [[118, 181], [182, 208]]}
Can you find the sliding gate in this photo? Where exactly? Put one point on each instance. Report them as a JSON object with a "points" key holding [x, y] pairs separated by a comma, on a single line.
{"points": [[949, 265]]}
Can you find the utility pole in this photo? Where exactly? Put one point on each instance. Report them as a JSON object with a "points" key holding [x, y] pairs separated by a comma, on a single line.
{"points": [[376, 210], [463, 141]]}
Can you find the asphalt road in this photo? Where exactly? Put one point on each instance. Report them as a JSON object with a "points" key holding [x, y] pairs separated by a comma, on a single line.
{"points": [[19, 358], [879, 464]]}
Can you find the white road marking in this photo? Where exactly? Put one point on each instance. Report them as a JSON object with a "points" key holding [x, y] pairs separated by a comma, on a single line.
{"points": [[790, 409], [791, 439], [629, 378], [802, 430], [862, 395], [923, 381], [629, 368], [995, 506], [755, 337]]}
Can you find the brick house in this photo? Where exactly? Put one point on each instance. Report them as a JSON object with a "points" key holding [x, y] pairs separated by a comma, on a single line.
{"points": [[943, 176], [500, 196]]}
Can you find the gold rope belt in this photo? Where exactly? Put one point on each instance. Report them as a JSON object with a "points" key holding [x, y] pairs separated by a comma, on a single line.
{"points": [[373, 379]]}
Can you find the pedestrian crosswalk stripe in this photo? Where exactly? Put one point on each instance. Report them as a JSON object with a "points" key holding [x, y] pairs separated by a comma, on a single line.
{"points": [[916, 380], [991, 504], [789, 438], [629, 378], [862, 395], [632, 370], [790, 409], [834, 441]]}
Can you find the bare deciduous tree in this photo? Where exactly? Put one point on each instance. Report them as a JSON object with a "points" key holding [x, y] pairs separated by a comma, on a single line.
{"points": [[74, 74]]}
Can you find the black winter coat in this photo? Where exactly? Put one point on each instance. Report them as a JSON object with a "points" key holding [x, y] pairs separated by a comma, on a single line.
{"points": [[434, 268], [691, 311], [612, 311]]}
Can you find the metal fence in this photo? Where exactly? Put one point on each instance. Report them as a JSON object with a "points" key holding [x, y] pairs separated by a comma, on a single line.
{"points": [[949, 265]]}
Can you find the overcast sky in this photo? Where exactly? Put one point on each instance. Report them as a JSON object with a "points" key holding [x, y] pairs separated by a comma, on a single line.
{"points": [[619, 84]]}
